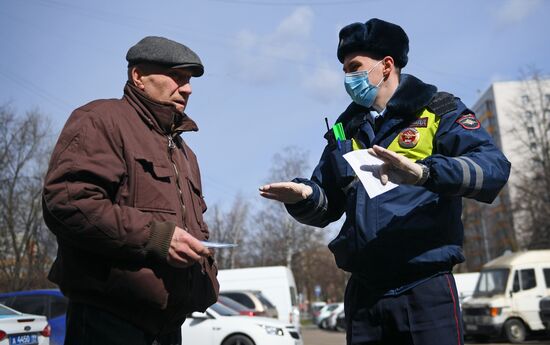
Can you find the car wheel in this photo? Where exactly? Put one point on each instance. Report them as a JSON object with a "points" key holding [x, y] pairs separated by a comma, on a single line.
{"points": [[238, 340], [323, 324], [515, 331]]}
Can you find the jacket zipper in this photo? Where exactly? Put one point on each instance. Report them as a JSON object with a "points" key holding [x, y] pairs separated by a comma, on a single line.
{"points": [[171, 147]]}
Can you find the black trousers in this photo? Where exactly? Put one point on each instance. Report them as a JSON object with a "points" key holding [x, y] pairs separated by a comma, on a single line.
{"points": [[88, 325], [427, 314]]}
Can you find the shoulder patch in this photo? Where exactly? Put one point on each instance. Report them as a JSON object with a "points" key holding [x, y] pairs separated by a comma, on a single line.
{"points": [[442, 103], [468, 121]]}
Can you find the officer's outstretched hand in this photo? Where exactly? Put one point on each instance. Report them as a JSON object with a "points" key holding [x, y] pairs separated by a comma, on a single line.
{"points": [[287, 192], [185, 249], [396, 168]]}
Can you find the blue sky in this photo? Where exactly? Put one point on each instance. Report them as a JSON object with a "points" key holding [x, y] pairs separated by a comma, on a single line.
{"points": [[271, 68]]}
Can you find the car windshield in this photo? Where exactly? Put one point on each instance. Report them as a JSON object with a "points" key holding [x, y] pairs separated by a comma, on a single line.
{"points": [[491, 282], [232, 304], [5, 311], [332, 307], [264, 300], [223, 310]]}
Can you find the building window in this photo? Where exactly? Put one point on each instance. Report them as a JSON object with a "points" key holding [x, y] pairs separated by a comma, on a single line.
{"points": [[524, 99], [531, 131], [547, 99], [529, 115]]}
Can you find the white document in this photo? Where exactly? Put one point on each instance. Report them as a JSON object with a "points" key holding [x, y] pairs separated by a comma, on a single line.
{"points": [[218, 244], [366, 168]]}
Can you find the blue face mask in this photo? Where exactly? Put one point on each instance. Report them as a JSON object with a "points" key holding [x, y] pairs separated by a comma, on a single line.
{"points": [[360, 90]]}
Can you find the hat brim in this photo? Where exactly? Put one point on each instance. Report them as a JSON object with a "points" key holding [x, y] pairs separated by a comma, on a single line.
{"points": [[197, 70]]}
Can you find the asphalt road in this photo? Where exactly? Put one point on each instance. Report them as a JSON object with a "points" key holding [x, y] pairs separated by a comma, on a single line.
{"points": [[315, 336]]}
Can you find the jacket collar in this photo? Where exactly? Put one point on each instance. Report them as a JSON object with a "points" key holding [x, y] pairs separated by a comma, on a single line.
{"points": [[411, 95], [163, 117]]}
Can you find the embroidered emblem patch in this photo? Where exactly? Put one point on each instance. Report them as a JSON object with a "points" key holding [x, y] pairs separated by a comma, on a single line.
{"points": [[421, 122], [408, 138], [468, 121]]}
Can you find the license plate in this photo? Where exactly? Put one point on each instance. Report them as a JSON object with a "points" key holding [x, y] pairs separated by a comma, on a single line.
{"points": [[24, 339], [471, 327]]}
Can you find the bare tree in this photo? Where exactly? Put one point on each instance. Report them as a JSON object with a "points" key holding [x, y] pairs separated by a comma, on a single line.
{"points": [[230, 227], [281, 240], [284, 235], [532, 200], [26, 246]]}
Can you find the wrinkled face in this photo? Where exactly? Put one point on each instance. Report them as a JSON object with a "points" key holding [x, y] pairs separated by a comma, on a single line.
{"points": [[163, 84]]}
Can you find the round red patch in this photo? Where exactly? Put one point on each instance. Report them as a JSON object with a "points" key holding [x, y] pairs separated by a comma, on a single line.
{"points": [[408, 138]]}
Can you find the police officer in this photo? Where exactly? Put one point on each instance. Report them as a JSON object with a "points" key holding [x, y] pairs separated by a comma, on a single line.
{"points": [[400, 246]]}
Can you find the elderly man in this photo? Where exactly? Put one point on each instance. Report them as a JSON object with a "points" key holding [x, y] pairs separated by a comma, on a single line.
{"points": [[123, 197], [400, 246]]}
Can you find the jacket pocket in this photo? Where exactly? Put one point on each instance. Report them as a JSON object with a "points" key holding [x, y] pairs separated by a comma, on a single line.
{"points": [[154, 187], [343, 172], [199, 206]]}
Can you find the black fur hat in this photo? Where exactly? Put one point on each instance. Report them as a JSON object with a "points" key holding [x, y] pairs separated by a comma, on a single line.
{"points": [[377, 38]]}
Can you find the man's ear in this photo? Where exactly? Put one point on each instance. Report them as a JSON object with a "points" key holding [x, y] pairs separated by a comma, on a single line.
{"points": [[389, 66], [137, 76]]}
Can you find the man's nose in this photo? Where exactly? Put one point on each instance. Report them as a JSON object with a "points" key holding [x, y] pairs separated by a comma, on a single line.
{"points": [[185, 88]]}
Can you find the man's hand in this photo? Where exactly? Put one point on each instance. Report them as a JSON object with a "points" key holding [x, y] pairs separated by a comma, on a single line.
{"points": [[185, 249], [287, 192], [396, 168]]}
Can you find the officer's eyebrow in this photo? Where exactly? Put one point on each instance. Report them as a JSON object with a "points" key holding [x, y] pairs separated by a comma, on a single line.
{"points": [[351, 66]]}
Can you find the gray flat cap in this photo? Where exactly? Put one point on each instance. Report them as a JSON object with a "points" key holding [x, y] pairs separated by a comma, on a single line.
{"points": [[162, 51]]}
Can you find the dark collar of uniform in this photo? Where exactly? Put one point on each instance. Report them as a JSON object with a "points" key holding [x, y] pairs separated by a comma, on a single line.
{"points": [[163, 117], [411, 96]]}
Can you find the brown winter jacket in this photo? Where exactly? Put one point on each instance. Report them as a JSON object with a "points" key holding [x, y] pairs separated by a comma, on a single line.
{"points": [[120, 178]]}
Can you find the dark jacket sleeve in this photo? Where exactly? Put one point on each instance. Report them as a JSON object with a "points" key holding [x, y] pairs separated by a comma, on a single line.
{"points": [[467, 162], [327, 202], [80, 188]]}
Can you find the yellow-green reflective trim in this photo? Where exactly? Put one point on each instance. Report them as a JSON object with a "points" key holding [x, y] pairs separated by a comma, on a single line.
{"points": [[424, 147], [355, 145]]}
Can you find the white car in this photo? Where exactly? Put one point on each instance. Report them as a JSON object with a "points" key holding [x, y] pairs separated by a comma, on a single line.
{"points": [[220, 325], [332, 319], [322, 319], [23, 329]]}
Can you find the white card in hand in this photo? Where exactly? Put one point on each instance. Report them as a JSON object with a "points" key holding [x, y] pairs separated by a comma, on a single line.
{"points": [[218, 244], [366, 168]]}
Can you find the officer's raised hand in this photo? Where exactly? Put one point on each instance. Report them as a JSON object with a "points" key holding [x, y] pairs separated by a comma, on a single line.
{"points": [[396, 168], [287, 192]]}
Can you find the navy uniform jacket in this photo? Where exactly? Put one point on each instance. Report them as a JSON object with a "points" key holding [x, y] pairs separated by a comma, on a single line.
{"points": [[410, 232]]}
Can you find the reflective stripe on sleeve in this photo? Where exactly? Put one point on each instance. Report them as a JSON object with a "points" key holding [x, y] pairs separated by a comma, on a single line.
{"points": [[479, 177], [465, 175], [316, 214]]}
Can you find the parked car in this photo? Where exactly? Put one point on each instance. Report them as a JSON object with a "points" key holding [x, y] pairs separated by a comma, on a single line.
{"points": [[18, 328], [315, 309], [50, 303], [220, 325], [254, 300], [341, 322], [276, 283], [544, 311], [507, 296], [331, 319], [325, 312], [241, 309]]}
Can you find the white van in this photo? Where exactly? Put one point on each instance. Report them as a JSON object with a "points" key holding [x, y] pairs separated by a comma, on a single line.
{"points": [[275, 282], [465, 284], [507, 295]]}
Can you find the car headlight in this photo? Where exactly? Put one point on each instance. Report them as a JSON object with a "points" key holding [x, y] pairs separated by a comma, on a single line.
{"points": [[272, 330]]}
